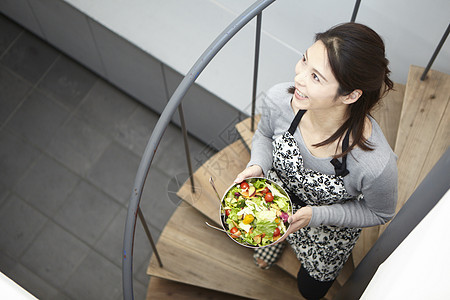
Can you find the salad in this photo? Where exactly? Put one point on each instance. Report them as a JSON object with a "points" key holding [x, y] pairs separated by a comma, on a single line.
{"points": [[255, 212]]}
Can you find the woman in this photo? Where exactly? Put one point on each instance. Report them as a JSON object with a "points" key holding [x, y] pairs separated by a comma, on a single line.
{"points": [[316, 138]]}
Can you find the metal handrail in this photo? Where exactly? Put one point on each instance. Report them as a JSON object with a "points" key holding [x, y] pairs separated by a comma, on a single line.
{"points": [[255, 69], [164, 120]]}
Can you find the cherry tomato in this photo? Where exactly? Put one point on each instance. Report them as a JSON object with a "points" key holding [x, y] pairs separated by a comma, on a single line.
{"points": [[266, 190], [263, 235], [227, 212], [244, 185], [268, 197], [235, 232], [276, 232]]}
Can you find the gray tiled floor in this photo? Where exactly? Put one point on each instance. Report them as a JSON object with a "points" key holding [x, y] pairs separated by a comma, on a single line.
{"points": [[70, 145]]}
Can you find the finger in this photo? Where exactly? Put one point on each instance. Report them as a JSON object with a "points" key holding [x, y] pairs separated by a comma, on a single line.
{"points": [[240, 177], [294, 218]]}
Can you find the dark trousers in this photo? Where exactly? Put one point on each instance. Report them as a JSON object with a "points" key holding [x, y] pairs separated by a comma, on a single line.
{"points": [[310, 288]]}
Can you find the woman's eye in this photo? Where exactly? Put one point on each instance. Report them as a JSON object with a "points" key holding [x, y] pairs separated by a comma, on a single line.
{"points": [[315, 77], [303, 58]]}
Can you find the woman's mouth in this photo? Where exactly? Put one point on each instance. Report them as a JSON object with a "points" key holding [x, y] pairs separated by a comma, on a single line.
{"points": [[300, 95]]}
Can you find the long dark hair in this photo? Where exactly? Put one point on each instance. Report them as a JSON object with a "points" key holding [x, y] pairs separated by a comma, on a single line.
{"points": [[357, 58]]}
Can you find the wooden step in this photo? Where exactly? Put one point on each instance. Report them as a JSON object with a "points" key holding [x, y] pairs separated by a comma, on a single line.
{"points": [[387, 113], [195, 254], [424, 129], [223, 167], [162, 289]]}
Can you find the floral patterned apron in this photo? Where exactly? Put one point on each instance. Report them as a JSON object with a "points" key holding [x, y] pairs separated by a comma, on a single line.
{"points": [[322, 250]]}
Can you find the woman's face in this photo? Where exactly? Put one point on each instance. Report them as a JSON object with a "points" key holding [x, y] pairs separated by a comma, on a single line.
{"points": [[315, 85]]}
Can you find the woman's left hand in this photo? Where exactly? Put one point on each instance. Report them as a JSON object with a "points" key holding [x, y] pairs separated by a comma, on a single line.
{"points": [[299, 220]]}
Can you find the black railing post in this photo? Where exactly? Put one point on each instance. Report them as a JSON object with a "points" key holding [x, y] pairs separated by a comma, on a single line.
{"points": [[149, 236], [355, 10], [186, 147], [255, 68], [435, 54]]}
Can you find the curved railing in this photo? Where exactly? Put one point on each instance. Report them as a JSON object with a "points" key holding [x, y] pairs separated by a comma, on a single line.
{"points": [[161, 125], [164, 120]]}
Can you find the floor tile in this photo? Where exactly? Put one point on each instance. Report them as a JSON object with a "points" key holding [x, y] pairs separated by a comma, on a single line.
{"points": [[106, 107], [38, 119], [140, 273], [155, 203], [77, 145], [67, 81], [110, 244], [115, 171], [96, 278], [46, 185], [20, 223], [15, 158], [13, 90], [54, 255], [135, 132], [87, 212], [4, 192], [139, 291], [170, 155], [60, 296], [9, 31], [32, 283], [7, 263], [30, 57]]}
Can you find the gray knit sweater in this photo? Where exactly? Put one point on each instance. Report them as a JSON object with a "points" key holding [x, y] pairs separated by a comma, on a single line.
{"points": [[372, 173]]}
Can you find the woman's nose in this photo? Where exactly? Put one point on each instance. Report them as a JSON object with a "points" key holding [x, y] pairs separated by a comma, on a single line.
{"points": [[300, 77]]}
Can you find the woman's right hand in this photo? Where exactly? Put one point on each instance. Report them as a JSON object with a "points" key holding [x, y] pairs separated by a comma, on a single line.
{"points": [[252, 171]]}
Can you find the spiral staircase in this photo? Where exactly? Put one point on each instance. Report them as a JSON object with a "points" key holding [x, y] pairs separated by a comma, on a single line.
{"points": [[198, 262]]}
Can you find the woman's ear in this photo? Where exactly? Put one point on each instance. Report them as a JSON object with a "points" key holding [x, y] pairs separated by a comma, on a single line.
{"points": [[352, 97]]}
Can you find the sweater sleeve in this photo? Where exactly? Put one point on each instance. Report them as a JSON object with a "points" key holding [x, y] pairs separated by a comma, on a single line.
{"points": [[262, 141], [375, 208]]}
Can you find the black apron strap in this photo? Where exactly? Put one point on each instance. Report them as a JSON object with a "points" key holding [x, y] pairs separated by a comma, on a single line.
{"points": [[296, 121], [340, 169]]}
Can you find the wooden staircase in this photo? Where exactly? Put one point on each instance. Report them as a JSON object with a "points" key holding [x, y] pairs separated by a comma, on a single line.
{"points": [[202, 263]]}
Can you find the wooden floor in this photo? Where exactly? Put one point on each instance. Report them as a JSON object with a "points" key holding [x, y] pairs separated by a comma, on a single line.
{"points": [[202, 263], [424, 129], [163, 289]]}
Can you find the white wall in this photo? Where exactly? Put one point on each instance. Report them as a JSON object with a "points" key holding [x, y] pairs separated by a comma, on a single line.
{"points": [[178, 31], [419, 268]]}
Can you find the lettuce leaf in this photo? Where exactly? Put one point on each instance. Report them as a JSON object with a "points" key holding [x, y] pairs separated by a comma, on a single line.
{"points": [[282, 203], [260, 183], [263, 226]]}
